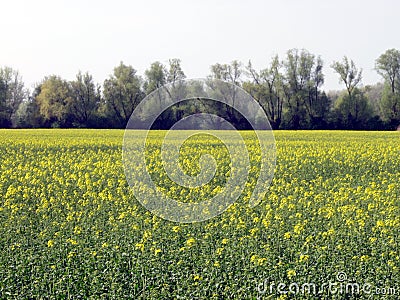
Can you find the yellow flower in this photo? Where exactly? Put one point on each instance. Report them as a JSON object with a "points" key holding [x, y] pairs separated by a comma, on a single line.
{"points": [[176, 229], [253, 258], [139, 246], [190, 242], [253, 231], [297, 229], [291, 273], [304, 258], [72, 241], [219, 251], [197, 277], [77, 230], [50, 243], [287, 235], [364, 258]]}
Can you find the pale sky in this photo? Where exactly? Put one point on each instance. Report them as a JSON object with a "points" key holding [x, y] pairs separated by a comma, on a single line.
{"points": [[61, 37]]}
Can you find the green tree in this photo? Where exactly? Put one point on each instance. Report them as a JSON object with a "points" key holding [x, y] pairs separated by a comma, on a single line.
{"points": [[374, 94], [174, 77], [170, 77], [297, 85], [350, 108], [231, 73], [227, 72], [29, 115], [122, 93], [353, 112], [84, 101], [349, 74], [4, 120], [55, 94], [390, 106], [156, 77], [266, 87], [12, 94], [388, 66], [175, 72], [317, 104]]}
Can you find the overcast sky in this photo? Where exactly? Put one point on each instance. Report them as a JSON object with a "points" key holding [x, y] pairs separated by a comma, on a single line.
{"points": [[45, 37]]}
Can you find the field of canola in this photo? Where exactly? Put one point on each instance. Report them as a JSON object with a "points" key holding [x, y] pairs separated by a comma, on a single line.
{"points": [[71, 228]]}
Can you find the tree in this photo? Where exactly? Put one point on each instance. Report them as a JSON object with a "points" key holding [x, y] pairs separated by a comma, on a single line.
{"points": [[156, 77], [297, 82], [175, 72], [227, 72], [176, 87], [30, 115], [55, 93], [374, 94], [388, 66], [230, 73], [122, 93], [4, 120], [84, 100], [390, 106], [317, 103], [348, 73], [352, 105], [266, 87], [353, 112], [12, 94], [170, 77]]}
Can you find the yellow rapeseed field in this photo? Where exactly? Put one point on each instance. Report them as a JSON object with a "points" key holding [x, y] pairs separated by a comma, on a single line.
{"points": [[71, 227]]}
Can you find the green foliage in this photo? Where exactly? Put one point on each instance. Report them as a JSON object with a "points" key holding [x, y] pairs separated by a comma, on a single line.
{"points": [[12, 95], [305, 104], [390, 104], [122, 92], [352, 112], [349, 74], [266, 87], [289, 91], [388, 65], [84, 100], [155, 77], [55, 94]]}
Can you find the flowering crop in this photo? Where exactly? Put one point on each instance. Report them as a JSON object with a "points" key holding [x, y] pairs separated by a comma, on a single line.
{"points": [[71, 227]]}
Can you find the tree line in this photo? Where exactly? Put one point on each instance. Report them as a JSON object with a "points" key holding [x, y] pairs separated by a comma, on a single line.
{"points": [[289, 90]]}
